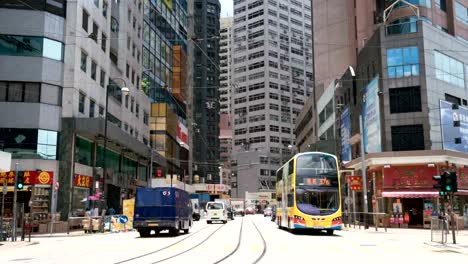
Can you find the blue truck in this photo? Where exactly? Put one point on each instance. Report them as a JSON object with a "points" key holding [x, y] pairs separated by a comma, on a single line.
{"points": [[162, 208]]}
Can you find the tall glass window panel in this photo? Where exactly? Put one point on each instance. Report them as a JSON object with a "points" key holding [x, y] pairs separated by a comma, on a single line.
{"points": [[51, 94], [20, 45], [402, 62], [3, 91], [93, 70], [15, 92], [52, 49], [449, 70], [47, 144], [461, 12], [32, 92]]}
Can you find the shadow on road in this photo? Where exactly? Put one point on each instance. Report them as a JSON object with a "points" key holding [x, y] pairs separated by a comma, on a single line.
{"points": [[306, 232]]}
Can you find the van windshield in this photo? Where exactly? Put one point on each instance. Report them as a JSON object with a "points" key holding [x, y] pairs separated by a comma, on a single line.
{"points": [[215, 206]]}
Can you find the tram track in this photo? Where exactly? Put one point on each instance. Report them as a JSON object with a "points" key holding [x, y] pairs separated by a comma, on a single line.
{"points": [[192, 248], [237, 247], [264, 245], [161, 249]]}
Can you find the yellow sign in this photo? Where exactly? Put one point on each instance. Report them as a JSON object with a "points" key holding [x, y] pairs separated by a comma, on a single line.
{"points": [[44, 177], [128, 210], [168, 3]]}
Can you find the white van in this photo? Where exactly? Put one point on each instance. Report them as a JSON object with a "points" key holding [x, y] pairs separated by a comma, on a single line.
{"points": [[216, 211]]}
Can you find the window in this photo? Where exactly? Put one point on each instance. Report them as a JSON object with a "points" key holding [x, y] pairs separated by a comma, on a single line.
{"points": [[403, 62], [442, 4], [96, 3], [407, 138], [405, 100], [84, 58], [449, 70], [137, 110], [103, 41], [20, 92], [132, 104], [256, 107], [84, 20], [425, 3], [92, 106], [93, 70], [452, 99], [101, 110], [145, 118], [56, 7], [30, 46], [95, 33], [102, 81], [127, 71], [462, 12], [81, 104], [104, 8], [274, 128], [403, 26]]}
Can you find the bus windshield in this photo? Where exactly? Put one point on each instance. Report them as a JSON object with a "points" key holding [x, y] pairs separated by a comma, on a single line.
{"points": [[317, 184]]}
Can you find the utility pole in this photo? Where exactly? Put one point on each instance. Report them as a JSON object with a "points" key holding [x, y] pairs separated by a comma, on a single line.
{"points": [[15, 198], [4, 183], [452, 218], [364, 177], [189, 82]]}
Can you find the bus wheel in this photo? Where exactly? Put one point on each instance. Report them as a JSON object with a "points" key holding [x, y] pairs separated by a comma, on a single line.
{"points": [[330, 232]]}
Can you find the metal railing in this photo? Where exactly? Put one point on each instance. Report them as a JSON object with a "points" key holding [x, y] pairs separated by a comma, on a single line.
{"points": [[366, 220]]}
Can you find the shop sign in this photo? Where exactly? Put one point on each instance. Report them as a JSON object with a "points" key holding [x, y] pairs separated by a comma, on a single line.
{"points": [[83, 181], [30, 177], [396, 177], [355, 183], [454, 137], [462, 174]]}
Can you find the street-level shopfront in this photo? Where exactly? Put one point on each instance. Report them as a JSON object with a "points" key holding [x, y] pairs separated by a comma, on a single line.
{"points": [[35, 195], [402, 187]]}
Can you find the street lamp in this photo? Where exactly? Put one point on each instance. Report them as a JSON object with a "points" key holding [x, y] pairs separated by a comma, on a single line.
{"points": [[125, 91]]}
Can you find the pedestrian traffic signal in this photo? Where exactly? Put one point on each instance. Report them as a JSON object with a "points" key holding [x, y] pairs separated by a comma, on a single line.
{"points": [[20, 180], [451, 182], [441, 183]]}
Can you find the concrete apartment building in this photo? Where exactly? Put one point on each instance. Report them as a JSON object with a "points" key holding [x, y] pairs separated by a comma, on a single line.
{"points": [[411, 91], [272, 77], [72, 54], [225, 63]]}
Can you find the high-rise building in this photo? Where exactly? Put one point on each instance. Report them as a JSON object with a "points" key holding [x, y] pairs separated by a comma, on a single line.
{"points": [[164, 61], [225, 63], [206, 90], [225, 151], [408, 88], [339, 31], [61, 75], [272, 75]]}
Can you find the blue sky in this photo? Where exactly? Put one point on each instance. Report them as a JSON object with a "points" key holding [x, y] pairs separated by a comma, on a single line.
{"points": [[226, 8]]}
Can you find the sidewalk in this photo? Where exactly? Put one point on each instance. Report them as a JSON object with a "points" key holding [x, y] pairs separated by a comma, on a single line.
{"points": [[7, 245], [422, 236]]}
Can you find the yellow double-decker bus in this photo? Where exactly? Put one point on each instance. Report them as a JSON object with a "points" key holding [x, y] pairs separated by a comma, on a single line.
{"points": [[308, 193]]}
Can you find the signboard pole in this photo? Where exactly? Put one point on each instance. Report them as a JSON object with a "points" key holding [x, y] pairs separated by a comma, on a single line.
{"points": [[15, 208], [364, 176]]}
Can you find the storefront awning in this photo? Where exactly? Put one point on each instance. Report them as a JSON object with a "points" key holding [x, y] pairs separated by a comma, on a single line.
{"points": [[410, 193]]}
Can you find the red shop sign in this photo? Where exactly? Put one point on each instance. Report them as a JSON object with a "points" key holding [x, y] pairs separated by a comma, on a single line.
{"points": [[462, 174], [419, 176], [355, 183], [83, 181], [30, 177]]}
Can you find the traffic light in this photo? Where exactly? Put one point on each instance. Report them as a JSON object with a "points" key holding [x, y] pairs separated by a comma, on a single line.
{"points": [[451, 182], [20, 180], [441, 183]]}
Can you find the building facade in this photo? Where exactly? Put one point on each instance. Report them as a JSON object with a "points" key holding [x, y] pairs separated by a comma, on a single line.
{"points": [[85, 53], [412, 94], [206, 90], [225, 142], [225, 63], [164, 61], [272, 77]]}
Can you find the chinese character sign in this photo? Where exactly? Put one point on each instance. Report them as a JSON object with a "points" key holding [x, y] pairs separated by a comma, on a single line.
{"points": [[30, 177], [454, 127], [409, 176], [83, 181], [371, 117], [355, 183]]}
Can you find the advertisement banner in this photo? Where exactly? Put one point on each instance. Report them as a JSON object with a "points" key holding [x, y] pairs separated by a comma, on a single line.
{"points": [[454, 127], [30, 177], [345, 135], [128, 210], [371, 117], [182, 132], [397, 177]]}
